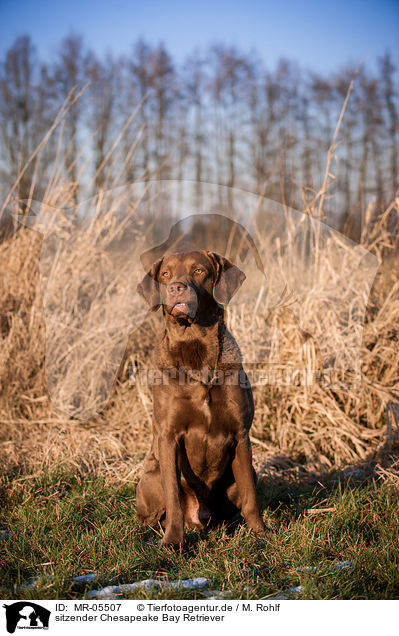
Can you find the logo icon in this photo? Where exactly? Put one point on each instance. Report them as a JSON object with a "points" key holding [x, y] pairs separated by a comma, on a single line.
{"points": [[26, 615]]}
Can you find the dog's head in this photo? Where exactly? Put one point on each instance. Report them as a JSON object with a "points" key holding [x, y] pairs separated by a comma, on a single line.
{"points": [[190, 286]]}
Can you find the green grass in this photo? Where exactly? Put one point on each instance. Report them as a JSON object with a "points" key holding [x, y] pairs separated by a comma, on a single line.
{"points": [[60, 526]]}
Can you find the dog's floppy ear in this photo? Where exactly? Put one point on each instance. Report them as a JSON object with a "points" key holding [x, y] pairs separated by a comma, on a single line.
{"points": [[228, 278], [149, 287]]}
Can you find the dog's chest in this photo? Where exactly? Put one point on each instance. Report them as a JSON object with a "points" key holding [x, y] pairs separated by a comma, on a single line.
{"points": [[207, 437], [202, 405]]}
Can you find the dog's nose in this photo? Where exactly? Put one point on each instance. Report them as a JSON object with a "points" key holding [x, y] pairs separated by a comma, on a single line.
{"points": [[177, 288]]}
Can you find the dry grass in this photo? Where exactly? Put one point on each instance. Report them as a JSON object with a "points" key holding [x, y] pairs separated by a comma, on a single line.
{"points": [[315, 425], [68, 305]]}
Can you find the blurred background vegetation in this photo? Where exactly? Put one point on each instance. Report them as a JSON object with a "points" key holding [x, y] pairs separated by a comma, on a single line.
{"points": [[221, 116]]}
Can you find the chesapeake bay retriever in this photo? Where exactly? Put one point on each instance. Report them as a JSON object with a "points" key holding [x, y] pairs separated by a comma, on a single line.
{"points": [[199, 469]]}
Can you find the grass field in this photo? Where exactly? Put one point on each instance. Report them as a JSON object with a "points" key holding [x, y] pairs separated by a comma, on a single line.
{"points": [[336, 536]]}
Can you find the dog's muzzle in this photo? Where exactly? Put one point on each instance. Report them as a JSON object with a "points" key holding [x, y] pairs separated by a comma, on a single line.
{"points": [[181, 299]]}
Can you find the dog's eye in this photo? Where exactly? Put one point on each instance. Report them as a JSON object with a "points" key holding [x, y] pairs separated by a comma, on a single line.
{"points": [[165, 274], [198, 271]]}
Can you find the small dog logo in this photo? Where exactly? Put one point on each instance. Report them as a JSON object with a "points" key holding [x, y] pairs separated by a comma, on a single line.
{"points": [[26, 615]]}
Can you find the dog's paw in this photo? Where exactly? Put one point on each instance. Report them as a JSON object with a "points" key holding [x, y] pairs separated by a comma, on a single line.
{"points": [[173, 537], [256, 525]]}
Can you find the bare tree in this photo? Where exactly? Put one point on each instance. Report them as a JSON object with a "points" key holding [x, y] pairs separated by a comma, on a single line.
{"points": [[370, 106], [69, 77], [346, 168], [232, 73], [101, 107], [194, 86], [387, 70], [224, 116], [21, 121], [140, 72]]}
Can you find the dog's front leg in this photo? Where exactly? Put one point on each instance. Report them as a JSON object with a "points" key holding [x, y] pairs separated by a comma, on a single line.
{"points": [[243, 475], [170, 475]]}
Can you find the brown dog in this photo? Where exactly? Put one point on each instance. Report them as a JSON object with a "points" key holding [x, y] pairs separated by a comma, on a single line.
{"points": [[199, 469]]}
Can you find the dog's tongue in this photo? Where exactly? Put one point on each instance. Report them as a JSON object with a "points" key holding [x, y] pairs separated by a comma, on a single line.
{"points": [[181, 308]]}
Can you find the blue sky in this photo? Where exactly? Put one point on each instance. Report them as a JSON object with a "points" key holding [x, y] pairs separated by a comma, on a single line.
{"points": [[319, 34]]}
